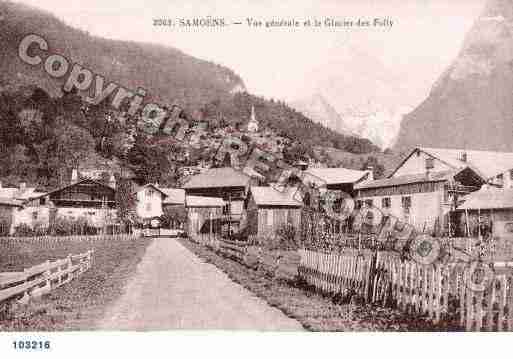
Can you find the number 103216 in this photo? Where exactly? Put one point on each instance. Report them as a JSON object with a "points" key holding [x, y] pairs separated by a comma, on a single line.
{"points": [[31, 344]]}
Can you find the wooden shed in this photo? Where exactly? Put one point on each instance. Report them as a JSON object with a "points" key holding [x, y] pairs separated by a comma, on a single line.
{"points": [[488, 211], [203, 214], [267, 209]]}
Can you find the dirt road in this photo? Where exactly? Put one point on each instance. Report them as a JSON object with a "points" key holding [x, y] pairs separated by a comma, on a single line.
{"points": [[174, 289]]}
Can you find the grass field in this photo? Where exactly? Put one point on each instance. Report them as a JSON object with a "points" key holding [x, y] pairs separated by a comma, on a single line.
{"points": [[315, 311], [79, 304]]}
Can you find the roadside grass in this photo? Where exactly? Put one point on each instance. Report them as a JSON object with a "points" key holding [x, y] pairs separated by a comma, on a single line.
{"points": [[316, 312], [80, 304]]}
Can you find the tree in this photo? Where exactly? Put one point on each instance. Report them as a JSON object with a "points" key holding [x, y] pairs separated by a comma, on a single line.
{"points": [[73, 144], [125, 201]]}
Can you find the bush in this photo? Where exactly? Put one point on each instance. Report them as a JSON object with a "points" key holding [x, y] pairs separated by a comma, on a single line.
{"points": [[286, 235], [63, 226]]}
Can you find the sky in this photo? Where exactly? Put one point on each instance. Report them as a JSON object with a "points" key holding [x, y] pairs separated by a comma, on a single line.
{"points": [[282, 63]]}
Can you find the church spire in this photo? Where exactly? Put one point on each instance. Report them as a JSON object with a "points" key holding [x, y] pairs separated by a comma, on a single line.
{"points": [[253, 123]]}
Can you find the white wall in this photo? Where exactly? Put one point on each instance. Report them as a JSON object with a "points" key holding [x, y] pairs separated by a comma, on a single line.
{"points": [[149, 203], [417, 164], [425, 208], [31, 216]]}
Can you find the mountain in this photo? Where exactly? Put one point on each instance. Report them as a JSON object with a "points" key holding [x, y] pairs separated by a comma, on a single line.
{"points": [[364, 97], [470, 106], [166, 73], [319, 110]]}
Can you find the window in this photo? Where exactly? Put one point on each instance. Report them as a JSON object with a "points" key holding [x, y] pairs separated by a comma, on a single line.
{"points": [[34, 215], [42, 201], [148, 207], [368, 202], [406, 203], [358, 204], [430, 163], [386, 202], [269, 217]]}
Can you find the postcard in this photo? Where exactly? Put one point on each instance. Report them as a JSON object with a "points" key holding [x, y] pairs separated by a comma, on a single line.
{"points": [[245, 174]]}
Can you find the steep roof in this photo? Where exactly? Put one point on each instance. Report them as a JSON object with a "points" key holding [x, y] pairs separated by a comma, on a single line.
{"points": [[337, 175], [10, 202], [407, 179], [487, 163], [174, 196], [199, 201], [161, 190], [268, 196], [218, 178], [74, 184], [21, 194], [489, 198]]}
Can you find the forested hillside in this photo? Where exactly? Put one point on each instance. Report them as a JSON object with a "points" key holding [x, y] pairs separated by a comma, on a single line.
{"points": [[168, 74], [44, 132]]}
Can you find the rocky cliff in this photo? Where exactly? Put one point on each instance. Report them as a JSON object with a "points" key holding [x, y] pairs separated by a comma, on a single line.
{"points": [[471, 104]]}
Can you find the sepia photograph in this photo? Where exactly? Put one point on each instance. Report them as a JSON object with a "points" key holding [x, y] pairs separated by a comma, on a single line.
{"points": [[224, 166]]}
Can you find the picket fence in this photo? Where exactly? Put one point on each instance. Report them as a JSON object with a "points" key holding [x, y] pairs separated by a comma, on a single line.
{"points": [[42, 278], [440, 292]]}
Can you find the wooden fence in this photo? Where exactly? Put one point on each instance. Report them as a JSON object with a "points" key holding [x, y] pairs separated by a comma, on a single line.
{"points": [[42, 278], [440, 292], [276, 264], [49, 241]]}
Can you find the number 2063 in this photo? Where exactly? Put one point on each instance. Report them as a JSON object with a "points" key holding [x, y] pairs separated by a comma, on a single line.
{"points": [[31, 344]]}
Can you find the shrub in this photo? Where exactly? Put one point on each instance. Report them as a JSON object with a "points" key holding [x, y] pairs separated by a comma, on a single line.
{"points": [[63, 226], [286, 234]]}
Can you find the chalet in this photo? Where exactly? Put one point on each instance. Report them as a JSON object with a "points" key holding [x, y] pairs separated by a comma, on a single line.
{"points": [[494, 167], [203, 215], [421, 191], [149, 203], [225, 183], [267, 209], [86, 198], [488, 211]]}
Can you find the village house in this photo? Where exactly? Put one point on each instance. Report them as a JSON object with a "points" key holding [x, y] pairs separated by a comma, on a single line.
{"points": [[425, 187], [86, 199], [267, 210], [203, 215], [18, 208], [226, 183], [494, 167], [149, 200], [487, 212]]}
